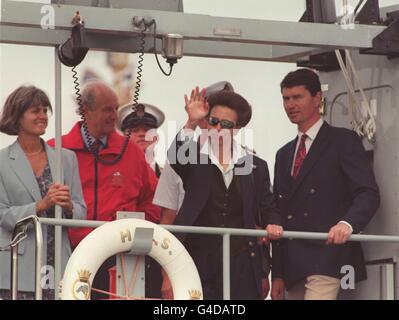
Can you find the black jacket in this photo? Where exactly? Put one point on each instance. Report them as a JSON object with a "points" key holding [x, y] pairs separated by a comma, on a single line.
{"points": [[259, 206], [335, 182]]}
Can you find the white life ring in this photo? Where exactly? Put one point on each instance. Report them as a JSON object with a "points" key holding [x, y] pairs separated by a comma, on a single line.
{"points": [[116, 237]]}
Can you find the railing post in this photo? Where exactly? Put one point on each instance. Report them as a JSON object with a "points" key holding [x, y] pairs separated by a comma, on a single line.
{"points": [[388, 281], [14, 272], [58, 175], [38, 256], [226, 266]]}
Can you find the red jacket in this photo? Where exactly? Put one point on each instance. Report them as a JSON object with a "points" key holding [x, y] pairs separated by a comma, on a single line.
{"points": [[128, 185]]}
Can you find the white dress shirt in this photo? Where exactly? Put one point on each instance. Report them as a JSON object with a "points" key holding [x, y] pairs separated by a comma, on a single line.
{"points": [[228, 173], [237, 153]]}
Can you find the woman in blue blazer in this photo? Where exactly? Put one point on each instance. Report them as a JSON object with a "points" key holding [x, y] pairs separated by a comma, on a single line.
{"points": [[27, 169]]}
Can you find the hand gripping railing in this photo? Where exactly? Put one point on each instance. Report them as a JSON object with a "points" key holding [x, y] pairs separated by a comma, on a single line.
{"points": [[19, 234]]}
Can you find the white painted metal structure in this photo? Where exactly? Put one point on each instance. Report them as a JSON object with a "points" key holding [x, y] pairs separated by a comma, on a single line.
{"points": [[381, 76]]}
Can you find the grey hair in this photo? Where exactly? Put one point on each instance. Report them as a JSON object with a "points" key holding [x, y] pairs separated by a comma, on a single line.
{"points": [[89, 96], [89, 93]]}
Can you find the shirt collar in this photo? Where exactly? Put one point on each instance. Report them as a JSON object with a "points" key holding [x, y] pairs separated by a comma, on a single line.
{"points": [[103, 140], [238, 153], [313, 130]]}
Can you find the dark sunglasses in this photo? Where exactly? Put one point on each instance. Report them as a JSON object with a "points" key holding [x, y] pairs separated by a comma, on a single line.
{"points": [[225, 124]]}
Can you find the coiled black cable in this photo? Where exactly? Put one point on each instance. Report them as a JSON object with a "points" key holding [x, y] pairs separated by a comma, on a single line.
{"points": [[77, 87], [155, 52], [139, 69]]}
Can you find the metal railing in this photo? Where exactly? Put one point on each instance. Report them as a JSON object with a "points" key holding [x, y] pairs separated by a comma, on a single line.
{"points": [[19, 234], [226, 233]]}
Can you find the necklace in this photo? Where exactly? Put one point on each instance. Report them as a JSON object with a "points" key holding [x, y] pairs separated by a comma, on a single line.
{"points": [[34, 153]]}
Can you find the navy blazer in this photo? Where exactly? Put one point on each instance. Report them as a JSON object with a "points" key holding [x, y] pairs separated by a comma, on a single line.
{"points": [[258, 201], [335, 182], [259, 206]]}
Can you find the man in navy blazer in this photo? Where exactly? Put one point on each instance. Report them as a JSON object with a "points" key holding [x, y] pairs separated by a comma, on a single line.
{"points": [[225, 186], [323, 183]]}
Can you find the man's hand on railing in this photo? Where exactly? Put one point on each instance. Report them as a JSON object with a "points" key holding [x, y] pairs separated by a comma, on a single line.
{"points": [[278, 289], [274, 231], [262, 240], [339, 234]]}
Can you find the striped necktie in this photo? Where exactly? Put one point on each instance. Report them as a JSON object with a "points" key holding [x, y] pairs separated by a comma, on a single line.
{"points": [[300, 156]]}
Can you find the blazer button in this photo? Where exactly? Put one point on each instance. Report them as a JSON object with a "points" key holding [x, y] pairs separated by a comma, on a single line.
{"points": [[305, 214], [290, 216], [280, 196], [312, 191], [250, 243], [252, 254]]}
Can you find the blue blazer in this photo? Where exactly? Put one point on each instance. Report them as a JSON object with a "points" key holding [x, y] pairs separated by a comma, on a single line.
{"points": [[336, 182], [19, 193], [259, 207]]}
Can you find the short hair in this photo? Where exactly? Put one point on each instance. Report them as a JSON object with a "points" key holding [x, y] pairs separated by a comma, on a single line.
{"points": [[302, 77], [89, 95], [232, 101], [20, 100]]}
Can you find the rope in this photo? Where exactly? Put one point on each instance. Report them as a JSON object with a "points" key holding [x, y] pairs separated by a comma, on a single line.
{"points": [[363, 127], [17, 239], [123, 297], [127, 288], [124, 276], [134, 275]]}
